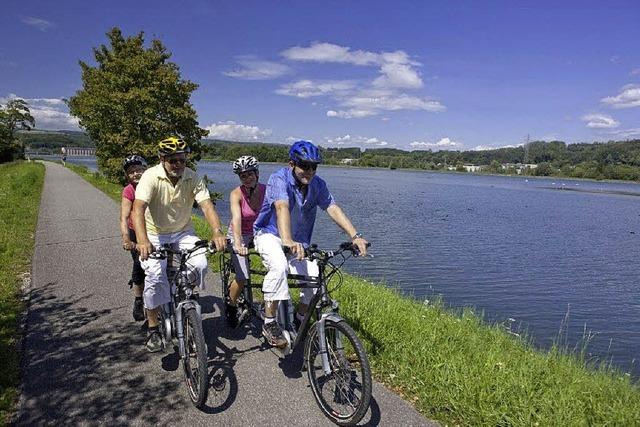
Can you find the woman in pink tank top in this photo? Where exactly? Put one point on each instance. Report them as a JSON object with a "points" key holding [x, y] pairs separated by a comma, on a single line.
{"points": [[246, 201]]}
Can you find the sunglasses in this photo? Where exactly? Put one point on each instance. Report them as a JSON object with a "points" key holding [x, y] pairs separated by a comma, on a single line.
{"points": [[307, 166], [176, 161]]}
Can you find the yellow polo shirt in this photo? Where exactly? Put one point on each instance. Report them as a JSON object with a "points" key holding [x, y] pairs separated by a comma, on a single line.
{"points": [[170, 206]]}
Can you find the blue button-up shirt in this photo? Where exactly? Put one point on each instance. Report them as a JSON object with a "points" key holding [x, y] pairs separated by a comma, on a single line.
{"points": [[282, 186]]}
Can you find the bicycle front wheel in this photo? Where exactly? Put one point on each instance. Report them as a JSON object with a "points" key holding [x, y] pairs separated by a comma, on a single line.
{"points": [[344, 393], [195, 362]]}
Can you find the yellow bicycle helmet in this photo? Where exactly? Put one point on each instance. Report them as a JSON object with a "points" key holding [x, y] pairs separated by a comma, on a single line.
{"points": [[172, 145]]}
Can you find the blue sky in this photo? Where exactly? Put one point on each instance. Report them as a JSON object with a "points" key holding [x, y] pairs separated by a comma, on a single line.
{"points": [[403, 74]]}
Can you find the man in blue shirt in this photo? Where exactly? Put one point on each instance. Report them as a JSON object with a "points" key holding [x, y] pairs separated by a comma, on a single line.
{"points": [[286, 219]]}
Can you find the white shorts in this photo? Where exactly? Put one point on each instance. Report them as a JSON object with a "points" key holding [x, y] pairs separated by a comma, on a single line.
{"points": [[275, 286], [156, 286]]}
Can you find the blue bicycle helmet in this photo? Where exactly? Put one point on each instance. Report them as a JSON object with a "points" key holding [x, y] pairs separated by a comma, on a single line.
{"points": [[304, 151]]}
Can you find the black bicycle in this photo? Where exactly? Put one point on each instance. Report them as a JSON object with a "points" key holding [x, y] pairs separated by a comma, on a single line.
{"points": [[334, 358], [181, 319]]}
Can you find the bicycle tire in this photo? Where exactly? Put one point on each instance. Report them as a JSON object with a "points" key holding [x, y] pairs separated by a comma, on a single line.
{"points": [[349, 384], [195, 363]]}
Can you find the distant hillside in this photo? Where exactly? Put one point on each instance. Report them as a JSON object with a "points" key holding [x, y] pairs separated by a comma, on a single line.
{"points": [[37, 139]]}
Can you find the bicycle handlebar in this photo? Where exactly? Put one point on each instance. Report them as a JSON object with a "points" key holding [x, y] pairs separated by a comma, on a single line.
{"points": [[312, 252], [164, 250]]}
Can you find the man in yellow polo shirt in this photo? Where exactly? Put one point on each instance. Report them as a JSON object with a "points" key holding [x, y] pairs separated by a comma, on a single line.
{"points": [[162, 215]]}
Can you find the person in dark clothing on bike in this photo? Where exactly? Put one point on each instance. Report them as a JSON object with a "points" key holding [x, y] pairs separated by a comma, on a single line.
{"points": [[133, 167]]}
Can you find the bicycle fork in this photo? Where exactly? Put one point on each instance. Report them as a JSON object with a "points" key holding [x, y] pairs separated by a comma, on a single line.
{"points": [[182, 308], [322, 340]]}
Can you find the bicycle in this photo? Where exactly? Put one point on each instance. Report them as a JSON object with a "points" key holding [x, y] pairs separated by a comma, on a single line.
{"points": [[334, 357], [180, 320]]}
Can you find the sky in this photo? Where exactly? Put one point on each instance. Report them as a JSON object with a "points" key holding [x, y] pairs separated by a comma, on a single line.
{"points": [[413, 75]]}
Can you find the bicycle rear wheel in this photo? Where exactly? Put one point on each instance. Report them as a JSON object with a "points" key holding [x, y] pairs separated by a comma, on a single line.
{"points": [[344, 394], [195, 362]]}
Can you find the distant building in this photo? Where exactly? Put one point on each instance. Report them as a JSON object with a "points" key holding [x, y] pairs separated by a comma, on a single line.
{"points": [[472, 168], [347, 161]]}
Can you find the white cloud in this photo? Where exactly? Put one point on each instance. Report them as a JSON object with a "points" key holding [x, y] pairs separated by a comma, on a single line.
{"points": [[635, 72], [629, 97], [353, 140], [367, 103], [398, 76], [489, 147], [232, 131], [39, 23], [600, 121], [309, 88], [626, 133], [392, 102], [390, 91], [49, 113], [328, 52], [253, 68], [351, 114], [442, 144]]}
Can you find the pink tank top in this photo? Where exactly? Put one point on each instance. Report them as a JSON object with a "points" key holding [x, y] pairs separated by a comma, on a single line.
{"points": [[248, 215]]}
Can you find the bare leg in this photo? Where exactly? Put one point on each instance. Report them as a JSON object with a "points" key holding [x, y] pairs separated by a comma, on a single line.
{"points": [[271, 308], [152, 317], [235, 289], [137, 290]]}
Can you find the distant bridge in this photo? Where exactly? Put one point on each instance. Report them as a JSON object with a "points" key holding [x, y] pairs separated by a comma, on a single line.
{"points": [[78, 151]]}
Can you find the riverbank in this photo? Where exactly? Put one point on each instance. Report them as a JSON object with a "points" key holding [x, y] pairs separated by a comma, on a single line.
{"points": [[457, 369], [454, 172], [20, 189]]}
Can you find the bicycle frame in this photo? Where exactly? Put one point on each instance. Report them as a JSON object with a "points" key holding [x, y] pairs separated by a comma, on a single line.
{"points": [[320, 301], [174, 310], [329, 344]]}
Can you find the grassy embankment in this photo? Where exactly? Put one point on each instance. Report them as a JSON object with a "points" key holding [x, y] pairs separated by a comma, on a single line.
{"points": [[20, 190], [457, 369]]}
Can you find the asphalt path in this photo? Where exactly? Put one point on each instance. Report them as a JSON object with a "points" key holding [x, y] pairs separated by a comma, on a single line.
{"points": [[84, 357]]}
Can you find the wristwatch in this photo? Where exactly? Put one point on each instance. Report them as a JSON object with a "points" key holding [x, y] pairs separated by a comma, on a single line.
{"points": [[356, 236]]}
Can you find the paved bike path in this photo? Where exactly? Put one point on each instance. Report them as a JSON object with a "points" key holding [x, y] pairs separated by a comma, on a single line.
{"points": [[85, 361]]}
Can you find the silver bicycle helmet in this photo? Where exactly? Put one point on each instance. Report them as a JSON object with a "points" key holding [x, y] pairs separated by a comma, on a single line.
{"points": [[245, 164], [133, 160]]}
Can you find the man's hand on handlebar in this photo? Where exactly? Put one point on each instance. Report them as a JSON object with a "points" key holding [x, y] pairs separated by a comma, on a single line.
{"points": [[219, 241], [362, 244], [295, 248], [144, 248], [128, 245]]}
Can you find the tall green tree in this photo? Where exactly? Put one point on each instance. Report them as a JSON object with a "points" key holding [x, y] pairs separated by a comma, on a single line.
{"points": [[131, 99], [14, 116]]}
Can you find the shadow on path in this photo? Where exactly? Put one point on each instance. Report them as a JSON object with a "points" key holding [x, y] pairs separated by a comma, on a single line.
{"points": [[83, 367]]}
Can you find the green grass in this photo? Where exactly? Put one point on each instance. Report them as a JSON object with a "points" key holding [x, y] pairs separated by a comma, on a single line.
{"points": [[20, 190], [459, 370]]}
